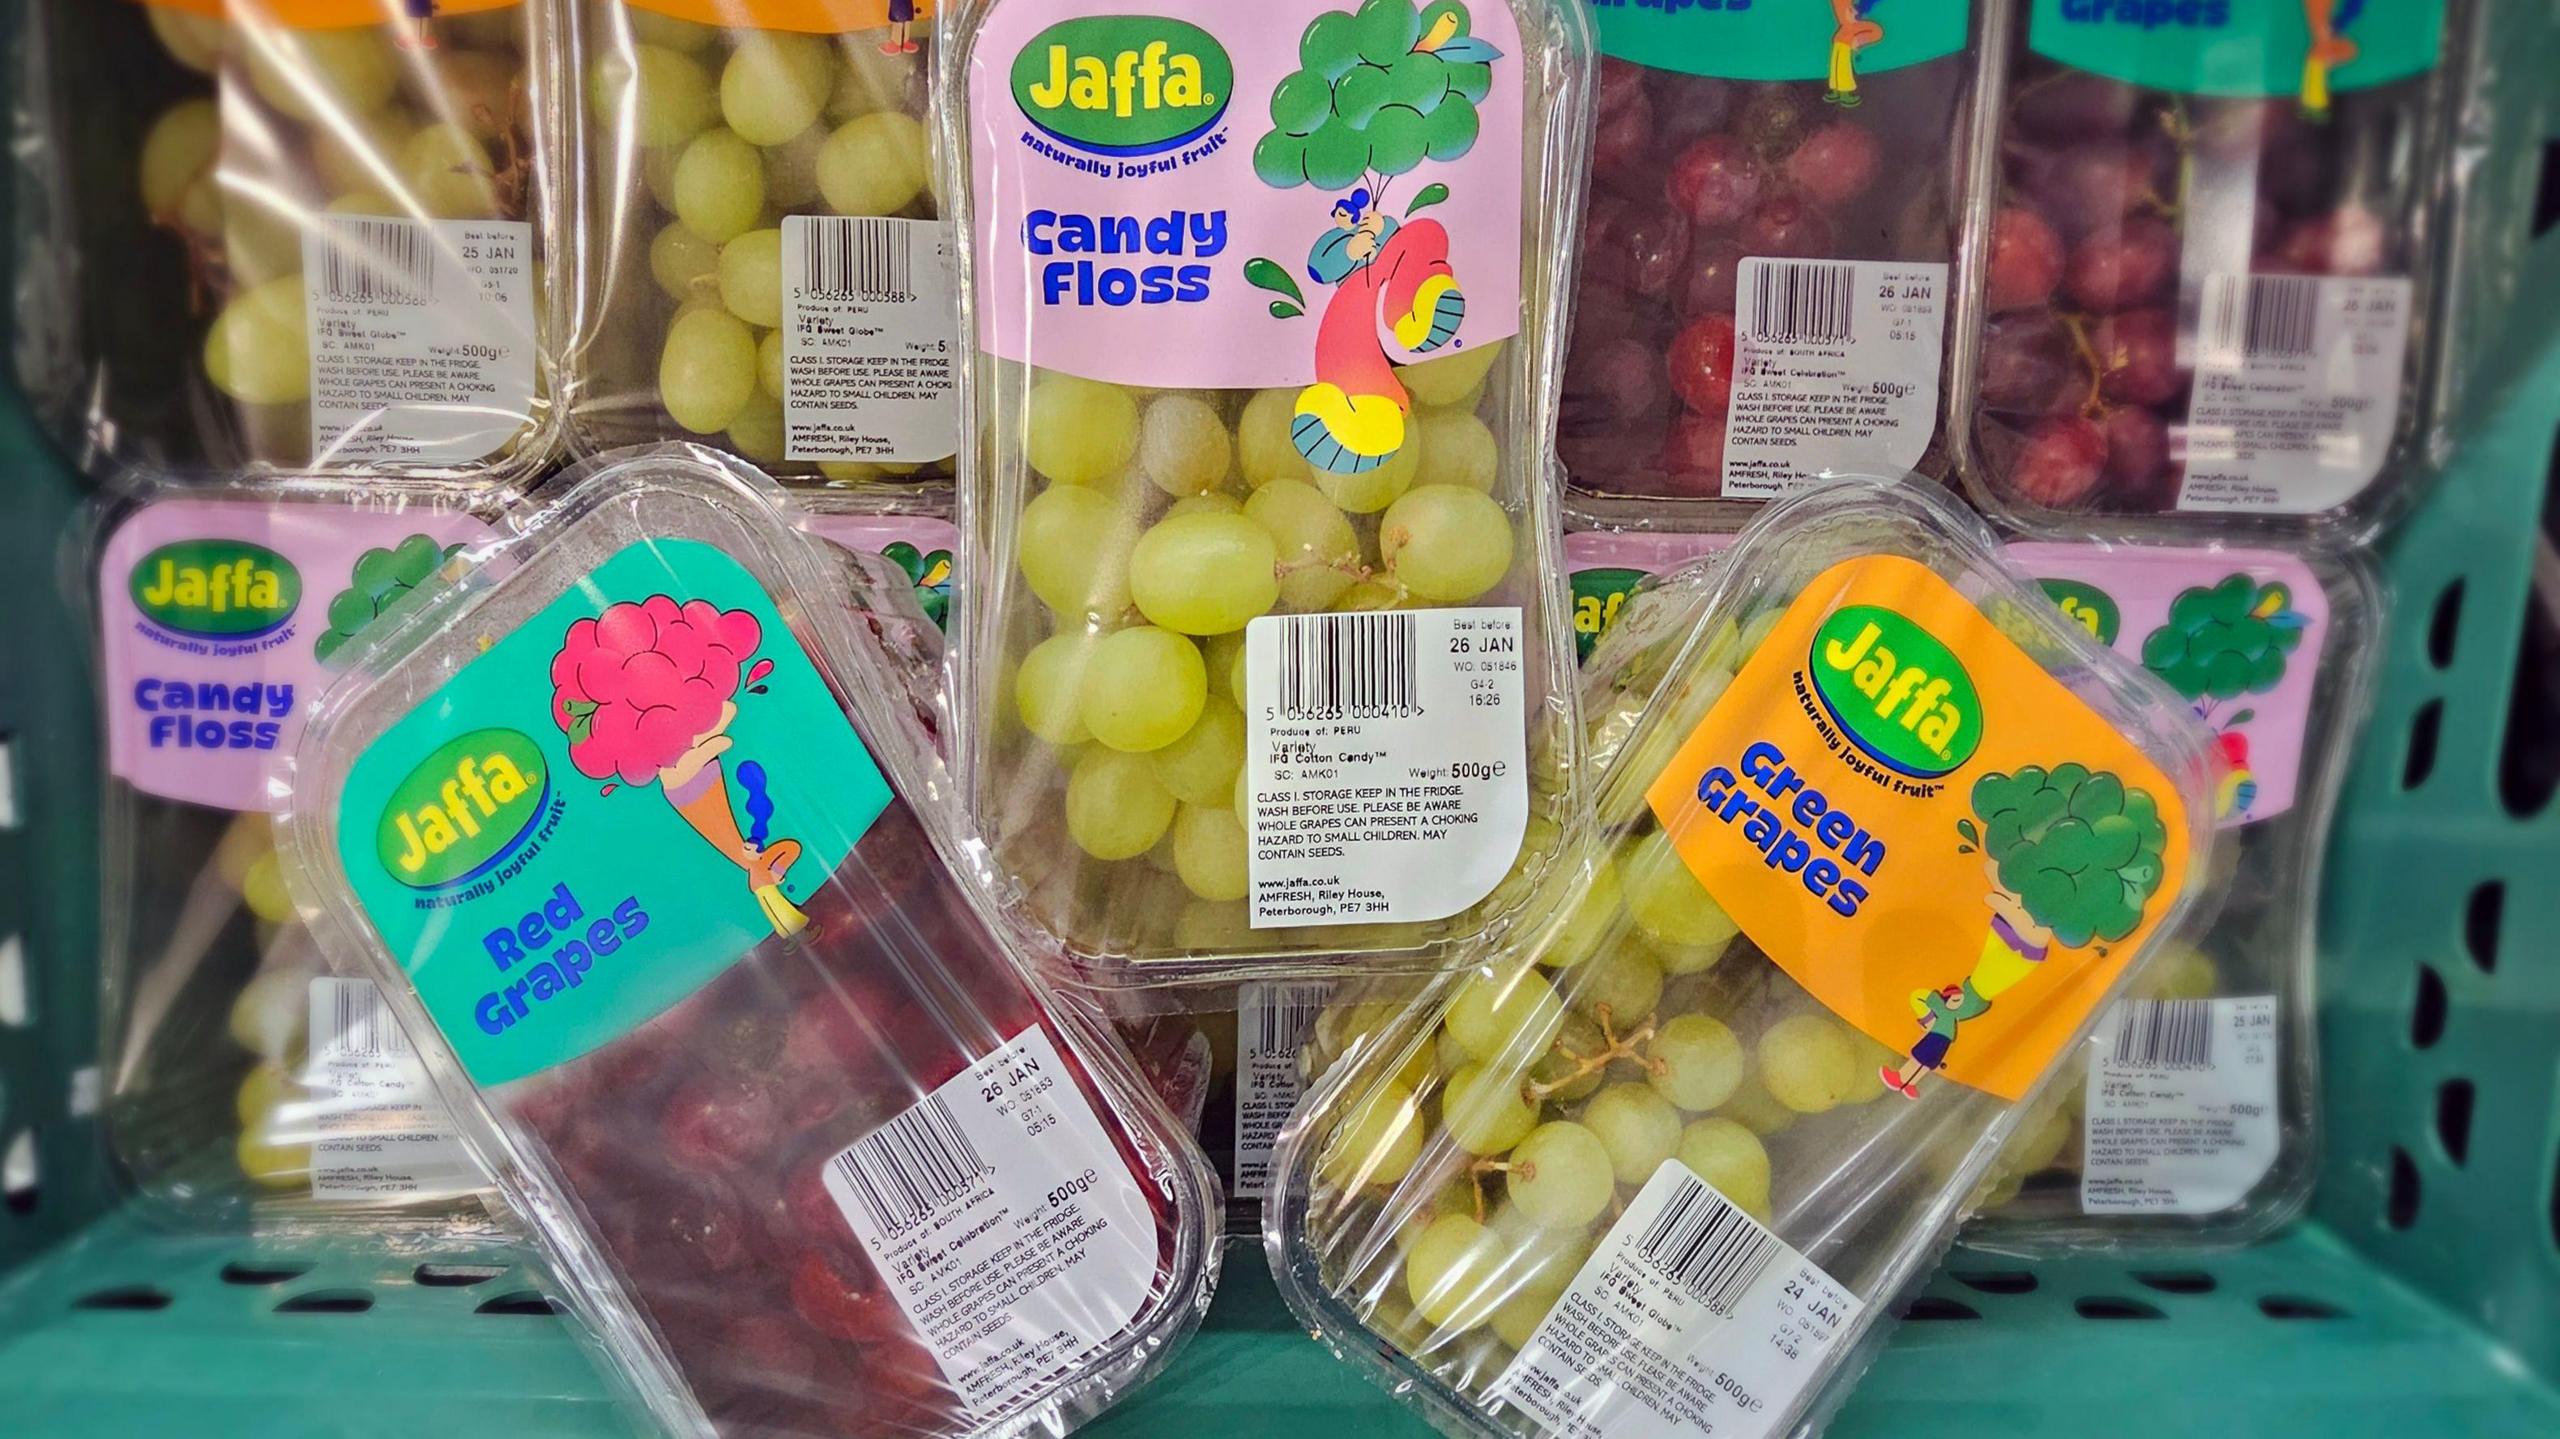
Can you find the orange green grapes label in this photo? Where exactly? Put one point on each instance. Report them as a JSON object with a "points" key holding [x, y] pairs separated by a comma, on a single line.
{"points": [[1934, 836], [812, 17]]}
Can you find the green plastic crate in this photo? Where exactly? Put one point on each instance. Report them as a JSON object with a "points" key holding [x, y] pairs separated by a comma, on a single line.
{"points": [[2422, 1298]]}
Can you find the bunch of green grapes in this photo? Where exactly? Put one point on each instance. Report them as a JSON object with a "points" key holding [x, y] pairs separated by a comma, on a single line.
{"points": [[308, 123], [1159, 524], [733, 130]]}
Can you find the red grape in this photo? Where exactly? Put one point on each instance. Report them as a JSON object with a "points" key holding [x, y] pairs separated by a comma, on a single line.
{"points": [[2132, 266], [2097, 185], [2344, 242], [1622, 147], [2076, 105], [1715, 181], [1836, 163], [2137, 356], [1693, 456], [717, 1125], [1622, 84], [1689, 106], [1714, 266], [1787, 224], [1701, 364], [2060, 462], [1609, 383], [1648, 245], [2026, 260], [2137, 448], [2028, 366], [836, 1293]]}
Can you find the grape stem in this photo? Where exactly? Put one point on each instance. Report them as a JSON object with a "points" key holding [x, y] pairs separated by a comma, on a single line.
{"points": [[1614, 1047], [2077, 328]]}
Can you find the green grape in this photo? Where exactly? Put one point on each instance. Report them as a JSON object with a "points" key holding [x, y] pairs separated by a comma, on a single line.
{"points": [[873, 164], [751, 277], [1144, 688], [1078, 431], [1048, 688], [366, 202], [1243, 798], [357, 155], [1219, 503], [1343, 1027], [1318, 551], [181, 149], [447, 168], [1370, 491], [1450, 378], [1482, 1109], [316, 75], [791, 171], [1264, 449], [653, 28], [1493, 1011], [259, 241], [1561, 1068], [670, 94], [1809, 1064], [1590, 900], [1638, 1127], [1225, 654], [1201, 767], [707, 372], [1672, 911], [1731, 1158], [1115, 808], [756, 431], [684, 264], [1457, 449], [1074, 546], [200, 210], [1755, 1109], [1453, 1274], [1621, 987], [1376, 1142], [1204, 574], [1209, 852], [1446, 543], [258, 351], [195, 41], [2184, 972], [1458, 1196], [1518, 1317], [1371, 595], [1538, 839], [658, 173], [719, 186], [1697, 1064], [1560, 1176], [774, 85], [1183, 446], [769, 366]]}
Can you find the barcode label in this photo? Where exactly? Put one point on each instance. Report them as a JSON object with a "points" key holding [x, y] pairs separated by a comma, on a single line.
{"points": [[1283, 1015], [2165, 1034], [2258, 317], [849, 257], [1349, 667], [910, 1166], [378, 262], [1273, 1024], [1804, 302], [359, 1026], [1707, 1246]]}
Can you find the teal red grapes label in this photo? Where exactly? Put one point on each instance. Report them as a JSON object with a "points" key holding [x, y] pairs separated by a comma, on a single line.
{"points": [[1834, 40], [608, 807], [1247, 196], [2307, 48]]}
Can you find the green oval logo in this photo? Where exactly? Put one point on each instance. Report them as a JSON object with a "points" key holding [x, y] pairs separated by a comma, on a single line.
{"points": [[218, 589], [1123, 84], [2087, 606], [1896, 691], [1597, 594], [463, 809]]}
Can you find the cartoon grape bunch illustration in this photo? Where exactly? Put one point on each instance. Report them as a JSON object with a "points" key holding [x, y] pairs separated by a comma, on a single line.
{"points": [[929, 573], [2223, 641], [646, 692], [382, 579]]}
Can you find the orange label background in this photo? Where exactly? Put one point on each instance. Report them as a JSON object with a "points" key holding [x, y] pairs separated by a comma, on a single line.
{"points": [[815, 17], [1925, 919], [322, 14]]}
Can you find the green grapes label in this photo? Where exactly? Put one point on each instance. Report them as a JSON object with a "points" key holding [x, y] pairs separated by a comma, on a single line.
{"points": [[1123, 84], [229, 589], [2305, 48]]}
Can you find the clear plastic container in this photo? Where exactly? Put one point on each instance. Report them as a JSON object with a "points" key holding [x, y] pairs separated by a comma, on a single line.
{"points": [[647, 842], [1678, 1142], [244, 1081], [1768, 271], [770, 275], [1255, 394], [307, 237], [2208, 294]]}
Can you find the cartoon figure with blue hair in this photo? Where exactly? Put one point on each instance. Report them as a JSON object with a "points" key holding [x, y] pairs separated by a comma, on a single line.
{"points": [[2330, 48]]}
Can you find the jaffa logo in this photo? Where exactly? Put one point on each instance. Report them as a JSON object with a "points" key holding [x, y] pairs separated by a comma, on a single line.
{"points": [[1896, 691], [463, 810], [216, 589], [1123, 84]]}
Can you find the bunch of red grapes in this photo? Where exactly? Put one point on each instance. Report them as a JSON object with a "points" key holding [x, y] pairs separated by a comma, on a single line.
{"points": [[2083, 380], [1691, 174], [697, 1146]]}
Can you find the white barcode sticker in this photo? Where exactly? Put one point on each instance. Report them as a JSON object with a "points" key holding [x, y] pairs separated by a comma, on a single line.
{"points": [[2297, 391], [2181, 1111], [376, 1128], [1835, 369], [1385, 759], [1007, 1225], [1691, 1319], [870, 339], [1273, 1022], [421, 336]]}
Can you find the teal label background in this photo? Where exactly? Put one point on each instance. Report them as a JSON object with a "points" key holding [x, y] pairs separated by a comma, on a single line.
{"points": [[2258, 50], [608, 848], [1772, 39]]}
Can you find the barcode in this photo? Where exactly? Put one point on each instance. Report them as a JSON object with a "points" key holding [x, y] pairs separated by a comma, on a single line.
{"points": [[2250, 317], [1284, 1015], [2165, 1034], [907, 1168], [1349, 667], [359, 1026], [383, 262], [1803, 302], [1707, 1246], [858, 257]]}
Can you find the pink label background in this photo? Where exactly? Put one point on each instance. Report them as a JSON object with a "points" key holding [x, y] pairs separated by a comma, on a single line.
{"points": [[1230, 340], [323, 542], [871, 534]]}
